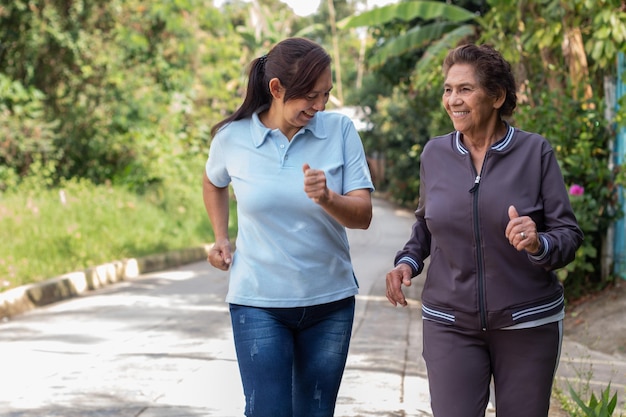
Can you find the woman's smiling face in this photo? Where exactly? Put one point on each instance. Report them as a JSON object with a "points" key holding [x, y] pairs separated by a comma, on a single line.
{"points": [[299, 111], [470, 108]]}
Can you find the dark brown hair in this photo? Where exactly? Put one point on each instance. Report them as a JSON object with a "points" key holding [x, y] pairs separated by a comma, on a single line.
{"points": [[492, 70], [296, 62]]}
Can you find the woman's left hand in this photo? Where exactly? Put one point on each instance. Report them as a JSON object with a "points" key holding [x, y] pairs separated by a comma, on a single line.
{"points": [[315, 184], [521, 231]]}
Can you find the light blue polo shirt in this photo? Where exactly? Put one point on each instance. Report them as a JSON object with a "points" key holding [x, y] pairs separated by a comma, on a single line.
{"points": [[289, 251]]}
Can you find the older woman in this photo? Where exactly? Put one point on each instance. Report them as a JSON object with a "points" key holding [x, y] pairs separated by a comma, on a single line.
{"points": [[494, 217]]}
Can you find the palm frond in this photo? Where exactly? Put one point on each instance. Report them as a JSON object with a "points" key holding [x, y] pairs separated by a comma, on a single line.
{"points": [[406, 11]]}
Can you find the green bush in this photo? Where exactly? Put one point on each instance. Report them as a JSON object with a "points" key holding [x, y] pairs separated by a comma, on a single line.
{"points": [[26, 134]]}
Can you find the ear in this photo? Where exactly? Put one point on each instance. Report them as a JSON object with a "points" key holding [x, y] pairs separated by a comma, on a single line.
{"points": [[499, 101], [276, 88]]}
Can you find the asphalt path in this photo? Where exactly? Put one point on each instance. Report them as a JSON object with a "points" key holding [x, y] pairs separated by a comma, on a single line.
{"points": [[160, 345]]}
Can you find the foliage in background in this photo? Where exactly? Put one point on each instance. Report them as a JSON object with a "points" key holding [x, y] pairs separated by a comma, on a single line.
{"points": [[26, 135], [402, 124], [124, 90], [431, 24], [110, 103], [48, 232]]}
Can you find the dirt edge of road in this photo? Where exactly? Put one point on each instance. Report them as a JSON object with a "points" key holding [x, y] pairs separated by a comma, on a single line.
{"points": [[598, 320]]}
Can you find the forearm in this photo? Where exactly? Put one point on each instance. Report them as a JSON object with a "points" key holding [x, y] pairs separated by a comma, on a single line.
{"points": [[353, 210]]}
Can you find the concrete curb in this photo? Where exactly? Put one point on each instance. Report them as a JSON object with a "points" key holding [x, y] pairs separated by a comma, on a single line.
{"points": [[27, 297]]}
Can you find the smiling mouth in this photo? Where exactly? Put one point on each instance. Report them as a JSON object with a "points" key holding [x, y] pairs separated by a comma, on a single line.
{"points": [[460, 113], [308, 114]]}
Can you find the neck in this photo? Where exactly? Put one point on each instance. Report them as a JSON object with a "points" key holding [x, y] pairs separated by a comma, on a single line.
{"points": [[272, 119], [486, 138]]}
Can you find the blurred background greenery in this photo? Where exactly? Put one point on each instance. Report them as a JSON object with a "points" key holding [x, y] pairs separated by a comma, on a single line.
{"points": [[106, 106]]}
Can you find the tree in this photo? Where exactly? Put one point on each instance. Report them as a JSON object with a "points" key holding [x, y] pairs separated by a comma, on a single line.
{"points": [[433, 27], [577, 41]]}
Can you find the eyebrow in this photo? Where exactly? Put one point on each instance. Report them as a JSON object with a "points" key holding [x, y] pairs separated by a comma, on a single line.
{"points": [[464, 84]]}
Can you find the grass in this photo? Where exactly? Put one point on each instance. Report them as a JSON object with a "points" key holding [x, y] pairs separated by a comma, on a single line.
{"points": [[577, 399], [48, 232]]}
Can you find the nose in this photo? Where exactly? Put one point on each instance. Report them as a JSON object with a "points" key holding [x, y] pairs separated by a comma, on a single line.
{"points": [[320, 103], [454, 97]]}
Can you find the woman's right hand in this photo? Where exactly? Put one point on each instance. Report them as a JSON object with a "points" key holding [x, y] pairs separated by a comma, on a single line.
{"points": [[220, 255], [399, 275]]}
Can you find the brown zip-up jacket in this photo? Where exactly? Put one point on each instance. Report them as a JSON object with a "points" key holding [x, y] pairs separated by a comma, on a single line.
{"points": [[475, 278]]}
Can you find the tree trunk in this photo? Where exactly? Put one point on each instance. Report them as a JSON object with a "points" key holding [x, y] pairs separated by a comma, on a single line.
{"points": [[336, 54], [574, 53]]}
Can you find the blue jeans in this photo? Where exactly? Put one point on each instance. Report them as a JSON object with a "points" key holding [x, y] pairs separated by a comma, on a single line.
{"points": [[291, 360]]}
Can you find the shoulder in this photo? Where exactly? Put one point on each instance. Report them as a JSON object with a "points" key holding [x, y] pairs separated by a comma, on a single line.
{"points": [[334, 118], [531, 139], [332, 124], [234, 126], [437, 143], [531, 136], [234, 130], [439, 140]]}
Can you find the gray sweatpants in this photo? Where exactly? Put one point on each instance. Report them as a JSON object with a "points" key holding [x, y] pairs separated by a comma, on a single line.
{"points": [[461, 364]]}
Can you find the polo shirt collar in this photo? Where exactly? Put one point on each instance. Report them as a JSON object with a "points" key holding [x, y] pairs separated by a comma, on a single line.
{"points": [[260, 132], [317, 127]]}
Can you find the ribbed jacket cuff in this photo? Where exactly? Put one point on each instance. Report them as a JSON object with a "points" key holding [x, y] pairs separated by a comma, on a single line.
{"points": [[416, 267], [544, 250]]}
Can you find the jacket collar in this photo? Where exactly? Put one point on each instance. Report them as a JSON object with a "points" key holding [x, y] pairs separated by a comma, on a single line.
{"points": [[500, 146]]}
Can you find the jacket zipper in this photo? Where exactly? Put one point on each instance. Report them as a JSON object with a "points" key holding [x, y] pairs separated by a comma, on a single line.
{"points": [[479, 249]]}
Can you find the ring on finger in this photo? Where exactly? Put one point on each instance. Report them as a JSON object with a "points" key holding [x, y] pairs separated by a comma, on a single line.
{"points": [[523, 235]]}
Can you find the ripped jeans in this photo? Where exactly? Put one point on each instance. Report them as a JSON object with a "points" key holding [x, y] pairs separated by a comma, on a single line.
{"points": [[292, 360]]}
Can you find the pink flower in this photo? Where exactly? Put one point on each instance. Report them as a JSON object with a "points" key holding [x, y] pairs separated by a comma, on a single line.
{"points": [[576, 189]]}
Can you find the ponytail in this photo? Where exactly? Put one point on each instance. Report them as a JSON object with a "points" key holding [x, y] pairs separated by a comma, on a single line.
{"points": [[257, 94]]}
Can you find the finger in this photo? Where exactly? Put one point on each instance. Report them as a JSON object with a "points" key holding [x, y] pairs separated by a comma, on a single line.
{"points": [[530, 243], [227, 256], [396, 298], [394, 289], [217, 261], [306, 167], [220, 255], [389, 283], [514, 220]]}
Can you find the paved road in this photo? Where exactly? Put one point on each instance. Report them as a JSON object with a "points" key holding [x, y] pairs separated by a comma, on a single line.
{"points": [[160, 346]]}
